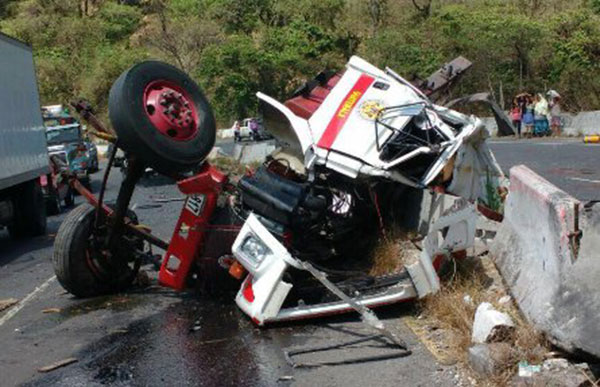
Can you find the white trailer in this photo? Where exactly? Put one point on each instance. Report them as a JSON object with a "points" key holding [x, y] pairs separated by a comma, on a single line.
{"points": [[23, 152]]}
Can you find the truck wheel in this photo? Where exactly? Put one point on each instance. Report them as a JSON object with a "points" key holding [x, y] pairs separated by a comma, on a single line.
{"points": [[30, 211], [74, 260], [161, 116]]}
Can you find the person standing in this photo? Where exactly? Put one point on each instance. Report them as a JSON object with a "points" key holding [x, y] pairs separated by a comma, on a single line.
{"points": [[540, 117], [515, 116], [555, 112], [527, 117], [236, 131], [253, 126]]}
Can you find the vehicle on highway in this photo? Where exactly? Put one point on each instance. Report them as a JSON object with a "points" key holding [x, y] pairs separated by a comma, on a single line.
{"points": [[66, 143], [65, 140], [296, 231], [23, 153], [56, 117], [251, 129]]}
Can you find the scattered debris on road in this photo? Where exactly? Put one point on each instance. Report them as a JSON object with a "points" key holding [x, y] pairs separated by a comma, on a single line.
{"points": [[490, 325], [58, 364], [51, 310], [489, 359], [7, 303]]}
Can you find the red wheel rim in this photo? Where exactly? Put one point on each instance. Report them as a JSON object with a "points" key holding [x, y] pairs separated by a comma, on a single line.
{"points": [[171, 110]]}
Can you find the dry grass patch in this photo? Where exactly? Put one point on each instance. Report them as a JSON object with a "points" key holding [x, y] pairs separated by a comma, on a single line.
{"points": [[233, 168], [228, 166], [452, 311], [391, 252]]}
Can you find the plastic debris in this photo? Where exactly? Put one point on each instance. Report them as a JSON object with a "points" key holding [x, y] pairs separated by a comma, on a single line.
{"points": [[527, 370], [490, 325]]}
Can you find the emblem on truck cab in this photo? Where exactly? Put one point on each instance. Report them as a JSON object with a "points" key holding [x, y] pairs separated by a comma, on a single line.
{"points": [[369, 110]]}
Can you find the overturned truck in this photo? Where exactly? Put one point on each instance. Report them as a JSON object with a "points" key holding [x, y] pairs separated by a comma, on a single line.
{"points": [[297, 231]]}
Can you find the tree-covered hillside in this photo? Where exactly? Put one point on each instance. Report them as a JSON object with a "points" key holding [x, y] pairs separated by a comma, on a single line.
{"points": [[234, 48]]}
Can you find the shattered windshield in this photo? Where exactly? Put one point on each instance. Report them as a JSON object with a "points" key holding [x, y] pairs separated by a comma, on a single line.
{"points": [[61, 136]]}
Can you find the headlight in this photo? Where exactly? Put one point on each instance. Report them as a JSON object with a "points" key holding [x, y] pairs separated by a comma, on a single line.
{"points": [[254, 250]]}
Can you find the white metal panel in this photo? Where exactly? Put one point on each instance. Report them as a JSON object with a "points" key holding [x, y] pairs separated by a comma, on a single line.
{"points": [[357, 136], [22, 135]]}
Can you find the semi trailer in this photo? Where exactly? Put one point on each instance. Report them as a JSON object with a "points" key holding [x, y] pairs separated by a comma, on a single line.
{"points": [[23, 151]]}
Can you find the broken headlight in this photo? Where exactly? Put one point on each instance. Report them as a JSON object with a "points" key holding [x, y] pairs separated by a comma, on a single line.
{"points": [[254, 250]]}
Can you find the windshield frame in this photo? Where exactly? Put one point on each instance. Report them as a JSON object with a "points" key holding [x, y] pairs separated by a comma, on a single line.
{"points": [[65, 135]]}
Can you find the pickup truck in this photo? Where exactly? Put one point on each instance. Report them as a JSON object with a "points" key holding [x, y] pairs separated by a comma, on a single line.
{"points": [[23, 153]]}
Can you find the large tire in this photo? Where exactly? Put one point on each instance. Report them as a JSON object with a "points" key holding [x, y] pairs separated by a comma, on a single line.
{"points": [[72, 262], [30, 210], [160, 147]]}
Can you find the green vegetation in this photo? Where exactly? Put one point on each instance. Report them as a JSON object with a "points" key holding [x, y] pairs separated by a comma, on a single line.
{"points": [[234, 48]]}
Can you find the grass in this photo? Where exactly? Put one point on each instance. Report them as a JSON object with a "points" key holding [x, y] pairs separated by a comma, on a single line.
{"points": [[451, 312], [391, 252], [232, 167], [228, 166]]}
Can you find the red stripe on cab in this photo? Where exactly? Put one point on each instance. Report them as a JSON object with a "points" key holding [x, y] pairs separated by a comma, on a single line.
{"points": [[343, 111]]}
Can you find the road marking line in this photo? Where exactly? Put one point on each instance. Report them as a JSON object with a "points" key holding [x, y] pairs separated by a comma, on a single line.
{"points": [[586, 180], [493, 142], [13, 311]]}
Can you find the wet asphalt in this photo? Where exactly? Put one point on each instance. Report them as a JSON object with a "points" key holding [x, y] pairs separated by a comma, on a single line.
{"points": [[152, 336]]}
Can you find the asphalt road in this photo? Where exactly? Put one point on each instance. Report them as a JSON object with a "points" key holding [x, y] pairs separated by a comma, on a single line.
{"points": [[567, 163], [154, 336]]}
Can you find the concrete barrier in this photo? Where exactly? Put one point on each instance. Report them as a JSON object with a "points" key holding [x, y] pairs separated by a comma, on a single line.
{"points": [[548, 251], [581, 124]]}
